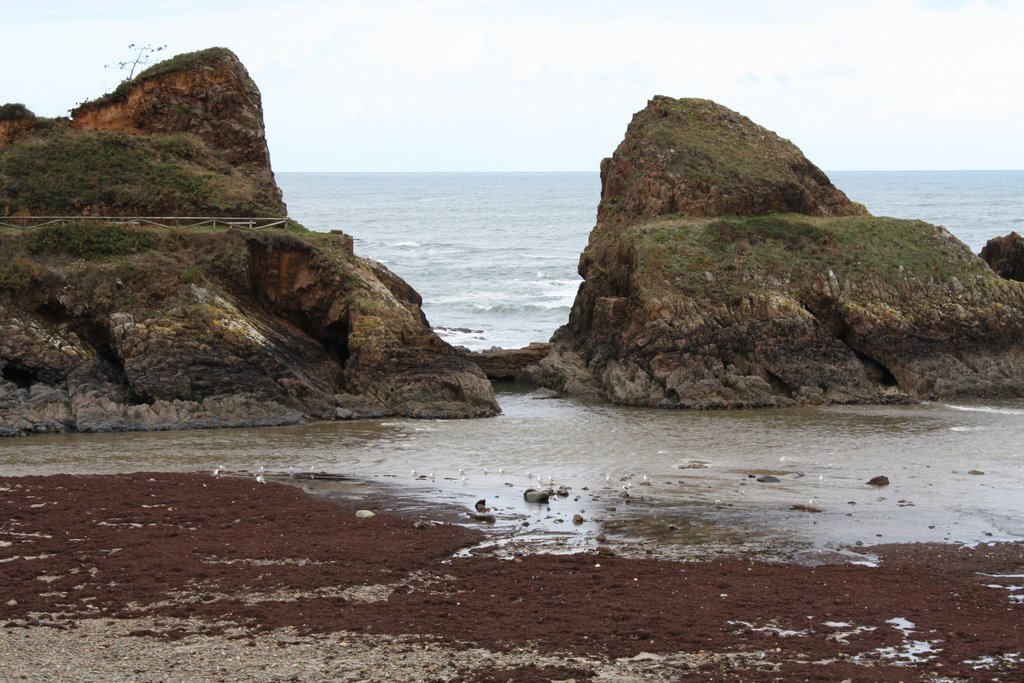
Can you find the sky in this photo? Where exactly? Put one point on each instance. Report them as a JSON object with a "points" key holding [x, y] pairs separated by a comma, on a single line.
{"points": [[550, 85]]}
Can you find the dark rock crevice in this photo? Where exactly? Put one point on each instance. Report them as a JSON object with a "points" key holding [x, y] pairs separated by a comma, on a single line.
{"points": [[829, 316], [22, 377], [777, 384]]}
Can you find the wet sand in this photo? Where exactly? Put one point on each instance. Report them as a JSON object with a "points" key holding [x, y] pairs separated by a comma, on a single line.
{"points": [[170, 577]]}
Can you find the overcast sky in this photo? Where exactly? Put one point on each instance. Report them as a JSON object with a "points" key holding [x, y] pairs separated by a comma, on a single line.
{"points": [[548, 85]]}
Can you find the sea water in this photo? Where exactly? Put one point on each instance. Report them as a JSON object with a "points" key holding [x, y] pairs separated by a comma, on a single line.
{"points": [[494, 256]]}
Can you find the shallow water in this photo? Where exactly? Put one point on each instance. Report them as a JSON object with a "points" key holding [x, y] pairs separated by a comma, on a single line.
{"points": [[699, 497]]}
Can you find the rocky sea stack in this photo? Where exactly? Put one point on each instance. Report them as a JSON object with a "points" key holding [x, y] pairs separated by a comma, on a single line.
{"points": [[120, 325], [725, 270], [183, 138]]}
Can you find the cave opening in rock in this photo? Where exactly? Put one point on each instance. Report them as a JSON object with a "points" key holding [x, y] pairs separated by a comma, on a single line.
{"points": [[336, 339], [876, 372], [779, 387], [21, 376]]}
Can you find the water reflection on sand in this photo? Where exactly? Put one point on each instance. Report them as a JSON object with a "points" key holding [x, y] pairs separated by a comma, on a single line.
{"points": [[956, 470]]}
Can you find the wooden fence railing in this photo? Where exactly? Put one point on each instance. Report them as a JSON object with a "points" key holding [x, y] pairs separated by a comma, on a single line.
{"points": [[248, 223]]}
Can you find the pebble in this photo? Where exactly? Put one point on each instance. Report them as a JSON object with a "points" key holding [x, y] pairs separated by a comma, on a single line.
{"points": [[364, 514]]}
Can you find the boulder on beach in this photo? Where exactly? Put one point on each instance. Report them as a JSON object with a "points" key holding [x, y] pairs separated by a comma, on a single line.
{"points": [[725, 270]]}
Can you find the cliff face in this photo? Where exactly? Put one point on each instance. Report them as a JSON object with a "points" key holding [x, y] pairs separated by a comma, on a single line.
{"points": [[183, 330], [184, 137], [791, 295], [117, 327]]}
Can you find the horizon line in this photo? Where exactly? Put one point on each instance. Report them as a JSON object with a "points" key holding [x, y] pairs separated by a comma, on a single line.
{"points": [[835, 170]]}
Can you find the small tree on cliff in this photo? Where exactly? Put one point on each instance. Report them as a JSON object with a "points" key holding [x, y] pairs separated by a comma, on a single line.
{"points": [[142, 54]]}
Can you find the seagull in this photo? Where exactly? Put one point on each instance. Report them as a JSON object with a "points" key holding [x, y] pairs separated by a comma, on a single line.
{"points": [[485, 469], [291, 472], [260, 479], [217, 469], [501, 470]]}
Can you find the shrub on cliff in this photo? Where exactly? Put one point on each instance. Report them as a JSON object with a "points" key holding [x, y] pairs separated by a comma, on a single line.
{"points": [[104, 172], [89, 240], [14, 111]]}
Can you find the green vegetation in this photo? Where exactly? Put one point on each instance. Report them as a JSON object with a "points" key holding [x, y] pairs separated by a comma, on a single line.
{"points": [[794, 250], [69, 171], [142, 268], [792, 232], [17, 274], [187, 61], [712, 154], [92, 240], [192, 276], [13, 111]]}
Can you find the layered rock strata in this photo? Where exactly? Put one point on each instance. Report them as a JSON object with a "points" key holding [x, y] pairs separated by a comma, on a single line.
{"points": [[725, 270], [509, 364], [218, 330]]}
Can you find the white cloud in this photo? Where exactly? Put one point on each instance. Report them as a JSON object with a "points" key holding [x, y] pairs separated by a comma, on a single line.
{"points": [[497, 84]]}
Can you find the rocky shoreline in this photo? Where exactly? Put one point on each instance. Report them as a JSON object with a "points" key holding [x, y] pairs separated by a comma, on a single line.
{"points": [[174, 577]]}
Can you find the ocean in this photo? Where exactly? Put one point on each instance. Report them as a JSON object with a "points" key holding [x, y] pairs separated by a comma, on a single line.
{"points": [[494, 256]]}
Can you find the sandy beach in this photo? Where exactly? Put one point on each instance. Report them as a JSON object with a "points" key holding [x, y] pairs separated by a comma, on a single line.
{"points": [[177, 577]]}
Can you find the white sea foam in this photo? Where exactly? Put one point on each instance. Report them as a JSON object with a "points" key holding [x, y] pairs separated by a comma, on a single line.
{"points": [[986, 409]]}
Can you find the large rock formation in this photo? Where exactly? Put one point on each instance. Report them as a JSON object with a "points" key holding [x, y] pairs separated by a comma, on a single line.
{"points": [[122, 327], [725, 270], [181, 330], [1005, 255], [183, 138]]}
